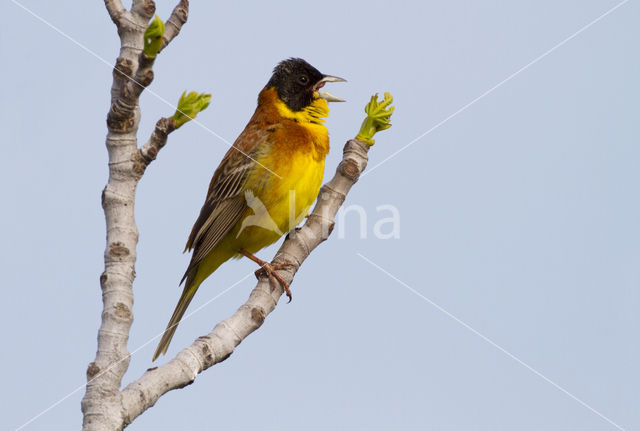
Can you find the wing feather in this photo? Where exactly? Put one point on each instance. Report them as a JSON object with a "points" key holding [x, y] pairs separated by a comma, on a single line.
{"points": [[225, 203]]}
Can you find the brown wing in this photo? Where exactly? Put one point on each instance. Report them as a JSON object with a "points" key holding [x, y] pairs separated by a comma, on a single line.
{"points": [[225, 203]]}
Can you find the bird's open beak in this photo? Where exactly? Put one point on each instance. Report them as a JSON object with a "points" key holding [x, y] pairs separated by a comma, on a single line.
{"points": [[329, 97], [325, 94]]}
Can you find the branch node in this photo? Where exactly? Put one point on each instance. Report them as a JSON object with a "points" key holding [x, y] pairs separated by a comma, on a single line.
{"points": [[122, 311], [350, 169], [145, 61], [92, 370], [123, 69], [144, 8], [121, 117], [147, 77], [258, 315], [209, 358], [118, 250]]}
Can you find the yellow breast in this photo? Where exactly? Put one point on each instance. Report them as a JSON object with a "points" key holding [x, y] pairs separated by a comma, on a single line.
{"points": [[298, 148]]}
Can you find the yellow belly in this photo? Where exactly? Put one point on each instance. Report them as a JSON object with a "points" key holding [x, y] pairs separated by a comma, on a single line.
{"points": [[277, 209], [278, 205], [274, 211]]}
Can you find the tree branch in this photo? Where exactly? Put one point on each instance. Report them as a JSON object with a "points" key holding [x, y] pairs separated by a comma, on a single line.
{"points": [[121, 117], [126, 94], [116, 10], [104, 406], [149, 151], [218, 345], [175, 22]]}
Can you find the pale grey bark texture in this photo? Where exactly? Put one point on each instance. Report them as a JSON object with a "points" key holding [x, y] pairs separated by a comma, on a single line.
{"points": [[105, 406], [102, 403]]}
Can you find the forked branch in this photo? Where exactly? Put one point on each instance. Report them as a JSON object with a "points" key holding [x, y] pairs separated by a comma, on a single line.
{"points": [[105, 406]]}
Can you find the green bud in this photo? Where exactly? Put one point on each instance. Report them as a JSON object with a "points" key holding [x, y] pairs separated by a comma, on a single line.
{"points": [[153, 37], [189, 106], [378, 118]]}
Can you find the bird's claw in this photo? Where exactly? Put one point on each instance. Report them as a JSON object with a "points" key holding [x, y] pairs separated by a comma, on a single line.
{"points": [[274, 277]]}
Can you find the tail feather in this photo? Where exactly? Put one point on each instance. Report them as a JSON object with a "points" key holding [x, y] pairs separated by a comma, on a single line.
{"points": [[194, 277], [185, 299]]}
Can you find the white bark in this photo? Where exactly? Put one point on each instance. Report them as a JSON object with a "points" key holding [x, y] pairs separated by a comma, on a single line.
{"points": [[102, 403], [105, 407]]}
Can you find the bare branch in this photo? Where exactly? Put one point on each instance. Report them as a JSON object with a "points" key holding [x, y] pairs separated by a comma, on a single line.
{"points": [[116, 11], [218, 345], [101, 405], [105, 407], [127, 87], [149, 151], [175, 22], [123, 108]]}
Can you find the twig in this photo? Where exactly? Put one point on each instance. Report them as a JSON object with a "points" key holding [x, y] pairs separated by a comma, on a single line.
{"points": [[175, 22], [116, 11], [149, 151]]}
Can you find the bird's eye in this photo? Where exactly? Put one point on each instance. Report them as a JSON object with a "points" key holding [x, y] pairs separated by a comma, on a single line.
{"points": [[303, 79]]}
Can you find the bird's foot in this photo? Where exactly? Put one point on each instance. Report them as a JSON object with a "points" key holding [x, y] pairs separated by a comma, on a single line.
{"points": [[270, 271], [274, 277]]}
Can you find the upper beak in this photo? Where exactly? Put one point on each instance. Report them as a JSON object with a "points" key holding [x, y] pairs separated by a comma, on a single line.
{"points": [[325, 94], [329, 78]]}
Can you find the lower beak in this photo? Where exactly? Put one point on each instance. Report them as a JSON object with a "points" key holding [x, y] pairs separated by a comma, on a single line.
{"points": [[325, 94], [329, 97]]}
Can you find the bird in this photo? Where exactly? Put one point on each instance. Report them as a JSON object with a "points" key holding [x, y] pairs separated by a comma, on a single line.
{"points": [[265, 183]]}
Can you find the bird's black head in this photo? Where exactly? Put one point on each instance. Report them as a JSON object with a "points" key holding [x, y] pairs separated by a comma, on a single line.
{"points": [[295, 80]]}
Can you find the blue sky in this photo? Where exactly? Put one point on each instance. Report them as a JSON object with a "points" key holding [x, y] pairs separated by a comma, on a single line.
{"points": [[518, 217]]}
